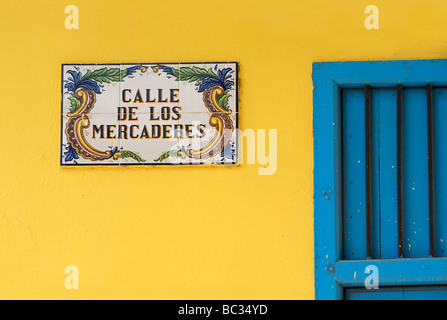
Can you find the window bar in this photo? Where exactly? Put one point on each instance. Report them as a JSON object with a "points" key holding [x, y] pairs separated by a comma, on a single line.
{"points": [[367, 91], [431, 187], [400, 225]]}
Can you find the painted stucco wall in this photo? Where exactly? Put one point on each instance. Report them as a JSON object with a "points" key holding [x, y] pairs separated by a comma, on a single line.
{"points": [[177, 232]]}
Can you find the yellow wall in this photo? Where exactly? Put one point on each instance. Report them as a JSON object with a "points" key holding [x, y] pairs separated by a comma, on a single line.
{"points": [[169, 232]]}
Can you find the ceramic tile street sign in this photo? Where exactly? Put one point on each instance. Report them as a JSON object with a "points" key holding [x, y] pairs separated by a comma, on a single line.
{"points": [[149, 114]]}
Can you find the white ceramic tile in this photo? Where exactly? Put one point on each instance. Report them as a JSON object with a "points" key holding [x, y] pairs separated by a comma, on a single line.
{"points": [[103, 80], [149, 88], [191, 90], [197, 135], [100, 137], [151, 137]]}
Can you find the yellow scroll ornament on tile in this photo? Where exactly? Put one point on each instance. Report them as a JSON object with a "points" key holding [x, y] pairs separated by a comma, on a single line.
{"points": [[78, 122]]}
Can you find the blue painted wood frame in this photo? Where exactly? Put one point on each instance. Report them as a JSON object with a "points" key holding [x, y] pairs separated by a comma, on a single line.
{"points": [[393, 272], [331, 273]]}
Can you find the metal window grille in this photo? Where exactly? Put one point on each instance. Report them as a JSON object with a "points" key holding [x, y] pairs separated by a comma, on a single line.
{"points": [[400, 161]]}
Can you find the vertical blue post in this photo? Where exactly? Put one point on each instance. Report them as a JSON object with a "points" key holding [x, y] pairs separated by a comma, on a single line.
{"points": [[327, 187]]}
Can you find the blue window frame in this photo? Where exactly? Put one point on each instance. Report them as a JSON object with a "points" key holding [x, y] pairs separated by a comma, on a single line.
{"points": [[415, 254]]}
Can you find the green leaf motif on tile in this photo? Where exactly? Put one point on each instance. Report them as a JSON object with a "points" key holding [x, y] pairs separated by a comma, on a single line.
{"points": [[167, 154], [75, 102], [193, 74], [130, 154], [105, 75], [223, 99]]}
